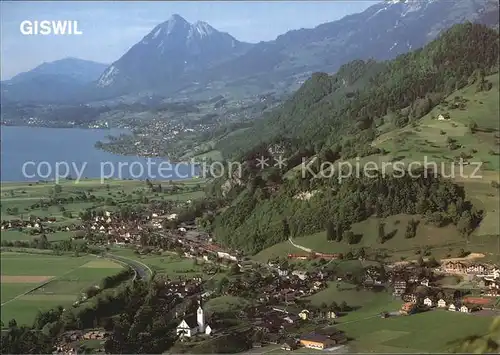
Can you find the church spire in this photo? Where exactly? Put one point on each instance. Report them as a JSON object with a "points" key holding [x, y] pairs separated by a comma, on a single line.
{"points": [[200, 317]]}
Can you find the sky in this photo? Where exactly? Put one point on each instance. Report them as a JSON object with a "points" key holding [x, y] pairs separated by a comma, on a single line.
{"points": [[110, 28]]}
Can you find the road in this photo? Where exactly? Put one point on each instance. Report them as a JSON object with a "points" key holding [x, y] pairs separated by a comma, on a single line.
{"points": [[143, 271]]}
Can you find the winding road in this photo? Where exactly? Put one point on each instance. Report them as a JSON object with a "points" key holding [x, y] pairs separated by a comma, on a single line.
{"points": [[143, 272]]}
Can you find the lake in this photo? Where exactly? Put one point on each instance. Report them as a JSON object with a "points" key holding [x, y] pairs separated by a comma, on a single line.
{"points": [[37, 153]]}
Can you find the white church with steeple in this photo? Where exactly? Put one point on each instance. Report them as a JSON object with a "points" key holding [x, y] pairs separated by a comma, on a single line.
{"points": [[194, 324]]}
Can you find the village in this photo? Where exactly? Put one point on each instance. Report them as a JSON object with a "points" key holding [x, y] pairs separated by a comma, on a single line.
{"points": [[279, 313]]}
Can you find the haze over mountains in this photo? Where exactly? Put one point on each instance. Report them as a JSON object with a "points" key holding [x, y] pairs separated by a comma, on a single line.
{"points": [[179, 58], [64, 78]]}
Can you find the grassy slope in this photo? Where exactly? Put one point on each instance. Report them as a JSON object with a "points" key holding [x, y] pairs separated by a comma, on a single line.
{"points": [[413, 143]]}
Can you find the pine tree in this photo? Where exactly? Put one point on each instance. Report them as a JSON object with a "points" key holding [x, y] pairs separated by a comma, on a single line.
{"points": [[381, 232], [331, 232], [340, 232]]}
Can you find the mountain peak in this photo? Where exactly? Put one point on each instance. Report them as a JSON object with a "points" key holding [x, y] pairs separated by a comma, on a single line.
{"points": [[177, 18]]}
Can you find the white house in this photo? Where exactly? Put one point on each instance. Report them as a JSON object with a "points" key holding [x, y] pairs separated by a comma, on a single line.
{"points": [[476, 269], [194, 325], [465, 309], [452, 308], [428, 302], [172, 216], [442, 303], [224, 255], [300, 274], [282, 272]]}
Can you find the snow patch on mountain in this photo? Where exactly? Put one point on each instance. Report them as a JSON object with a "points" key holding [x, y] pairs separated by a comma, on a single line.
{"points": [[108, 76]]}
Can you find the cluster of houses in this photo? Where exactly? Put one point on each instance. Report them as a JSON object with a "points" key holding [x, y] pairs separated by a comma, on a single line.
{"points": [[276, 323], [407, 285], [29, 223], [186, 237], [68, 343], [38, 225], [486, 276]]}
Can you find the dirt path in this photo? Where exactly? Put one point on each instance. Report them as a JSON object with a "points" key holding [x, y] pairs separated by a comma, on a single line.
{"points": [[300, 246]]}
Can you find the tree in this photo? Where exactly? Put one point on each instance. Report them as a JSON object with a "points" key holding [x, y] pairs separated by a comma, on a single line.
{"points": [[411, 229], [331, 232], [286, 228], [465, 225], [340, 232], [42, 242], [432, 262], [381, 232], [420, 261], [350, 237], [343, 306], [57, 189]]}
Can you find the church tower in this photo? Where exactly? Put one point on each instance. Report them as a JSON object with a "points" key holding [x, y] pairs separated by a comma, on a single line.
{"points": [[200, 317]]}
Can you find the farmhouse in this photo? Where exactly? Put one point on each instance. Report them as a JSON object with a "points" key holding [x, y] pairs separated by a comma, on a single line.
{"points": [[332, 314], [428, 302], [408, 308], [300, 274], [452, 307], [475, 269], [304, 315], [465, 309], [409, 297], [399, 287], [454, 267], [441, 303]]}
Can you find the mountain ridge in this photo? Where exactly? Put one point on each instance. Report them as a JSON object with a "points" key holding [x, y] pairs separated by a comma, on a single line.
{"points": [[179, 59], [56, 81], [382, 32], [170, 50]]}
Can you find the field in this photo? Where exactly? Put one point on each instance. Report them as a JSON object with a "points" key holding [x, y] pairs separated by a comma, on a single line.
{"points": [[169, 264], [420, 333], [365, 302], [32, 282], [224, 304]]}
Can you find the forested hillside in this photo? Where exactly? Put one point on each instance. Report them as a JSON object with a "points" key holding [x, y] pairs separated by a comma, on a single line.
{"points": [[328, 108], [338, 117]]}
